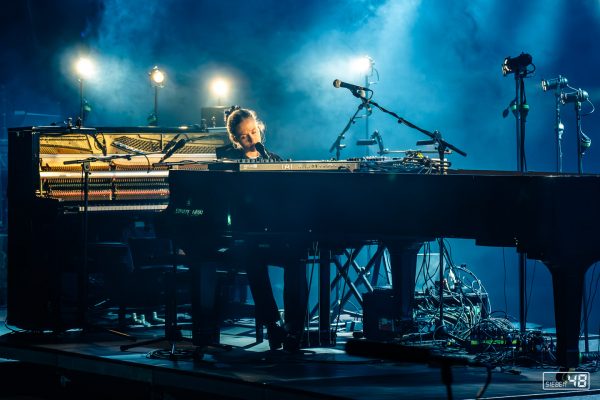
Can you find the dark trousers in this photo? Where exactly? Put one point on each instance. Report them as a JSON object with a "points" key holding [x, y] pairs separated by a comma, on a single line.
{"points": [[295, 295]]}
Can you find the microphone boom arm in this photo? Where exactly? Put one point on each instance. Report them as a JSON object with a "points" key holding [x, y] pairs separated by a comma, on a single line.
{"points": [[436, 137]]}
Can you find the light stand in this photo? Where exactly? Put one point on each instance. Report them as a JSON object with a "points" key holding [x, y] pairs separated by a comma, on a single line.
{"points": [[156, 105], [579, 139], [368, 74], [557, 84], [85, 69], [583, 143], [81, 102], [157, 79], [519, 67], [559, 129]]}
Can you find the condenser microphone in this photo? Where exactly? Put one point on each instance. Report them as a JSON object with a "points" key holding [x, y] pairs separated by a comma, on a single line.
{"points": [[578, 96], [354, 88], [261, 149], [585, 142], [129, 149], [180, 143]]}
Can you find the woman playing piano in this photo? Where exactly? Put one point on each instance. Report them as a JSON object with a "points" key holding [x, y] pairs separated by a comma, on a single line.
{"points": [[246, 135]]}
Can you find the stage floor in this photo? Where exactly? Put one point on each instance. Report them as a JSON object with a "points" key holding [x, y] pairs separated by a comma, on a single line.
{"points": [[76, 364]]}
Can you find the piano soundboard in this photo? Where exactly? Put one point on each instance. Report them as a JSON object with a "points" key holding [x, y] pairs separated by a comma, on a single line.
{"points": [[125, 169]]}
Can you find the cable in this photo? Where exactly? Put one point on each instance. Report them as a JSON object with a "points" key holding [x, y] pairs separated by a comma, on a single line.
{"points": [[504, 266], [530, 289], [593, 108]]}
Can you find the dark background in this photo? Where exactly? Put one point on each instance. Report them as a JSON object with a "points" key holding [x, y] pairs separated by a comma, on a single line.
{"points": [[438, 62]]}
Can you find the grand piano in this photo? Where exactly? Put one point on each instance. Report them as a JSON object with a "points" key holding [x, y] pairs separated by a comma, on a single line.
{"points": [[552, 218], [127, 187]]}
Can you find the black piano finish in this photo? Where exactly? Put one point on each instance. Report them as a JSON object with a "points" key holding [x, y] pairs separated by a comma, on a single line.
{"points": [[46, 235], [553, 218]]}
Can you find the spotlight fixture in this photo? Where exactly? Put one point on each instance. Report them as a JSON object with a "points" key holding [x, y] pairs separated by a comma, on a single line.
{"points": [[517, 64], [157, 77], [220, 88], [579, 95], [554, 83], [85, 68], [363, 64]]}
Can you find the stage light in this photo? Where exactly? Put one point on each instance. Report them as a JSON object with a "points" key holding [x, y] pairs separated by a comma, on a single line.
{"points": [[554, 83], [517, 64], [579, 95], [157, 77], [85, 68], [220, 88], [363, 64]]}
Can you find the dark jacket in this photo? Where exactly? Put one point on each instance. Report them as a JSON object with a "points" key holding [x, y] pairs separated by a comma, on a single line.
{"points": [[232, 153]]}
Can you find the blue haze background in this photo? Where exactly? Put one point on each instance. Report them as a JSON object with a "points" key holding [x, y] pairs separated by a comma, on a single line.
{"points": [[438, 62]]}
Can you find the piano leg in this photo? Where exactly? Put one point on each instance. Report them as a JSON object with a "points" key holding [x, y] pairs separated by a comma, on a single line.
{"points": [[403, 263], [568, 280], [325, 260], [205, 318], [295, 296]]}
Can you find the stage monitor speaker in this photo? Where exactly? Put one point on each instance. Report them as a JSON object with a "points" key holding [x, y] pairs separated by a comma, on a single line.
{"points": [[381, 318]]}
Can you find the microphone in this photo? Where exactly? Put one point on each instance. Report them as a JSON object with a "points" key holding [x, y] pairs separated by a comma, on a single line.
{"points": [[585, 142], [180, 143], [261, 149], [554, 83], [124, 147], [100, 144], [578, 96], [354, 88]]}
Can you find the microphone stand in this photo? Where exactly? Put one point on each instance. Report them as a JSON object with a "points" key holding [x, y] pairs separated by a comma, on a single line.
{"points": [[580, 151], [579, 136], [83, 271], [558, 130], [442, 146], [337, 145]]}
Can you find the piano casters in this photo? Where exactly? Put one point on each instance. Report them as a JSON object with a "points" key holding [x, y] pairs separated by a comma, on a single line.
{"points": [[83, 273]]}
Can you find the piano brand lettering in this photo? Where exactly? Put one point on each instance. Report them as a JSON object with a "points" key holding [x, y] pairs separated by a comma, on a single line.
{"points": [[189, 212]]}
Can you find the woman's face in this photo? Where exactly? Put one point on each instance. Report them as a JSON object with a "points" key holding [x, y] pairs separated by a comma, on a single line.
{"points": [[247, 134]]}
